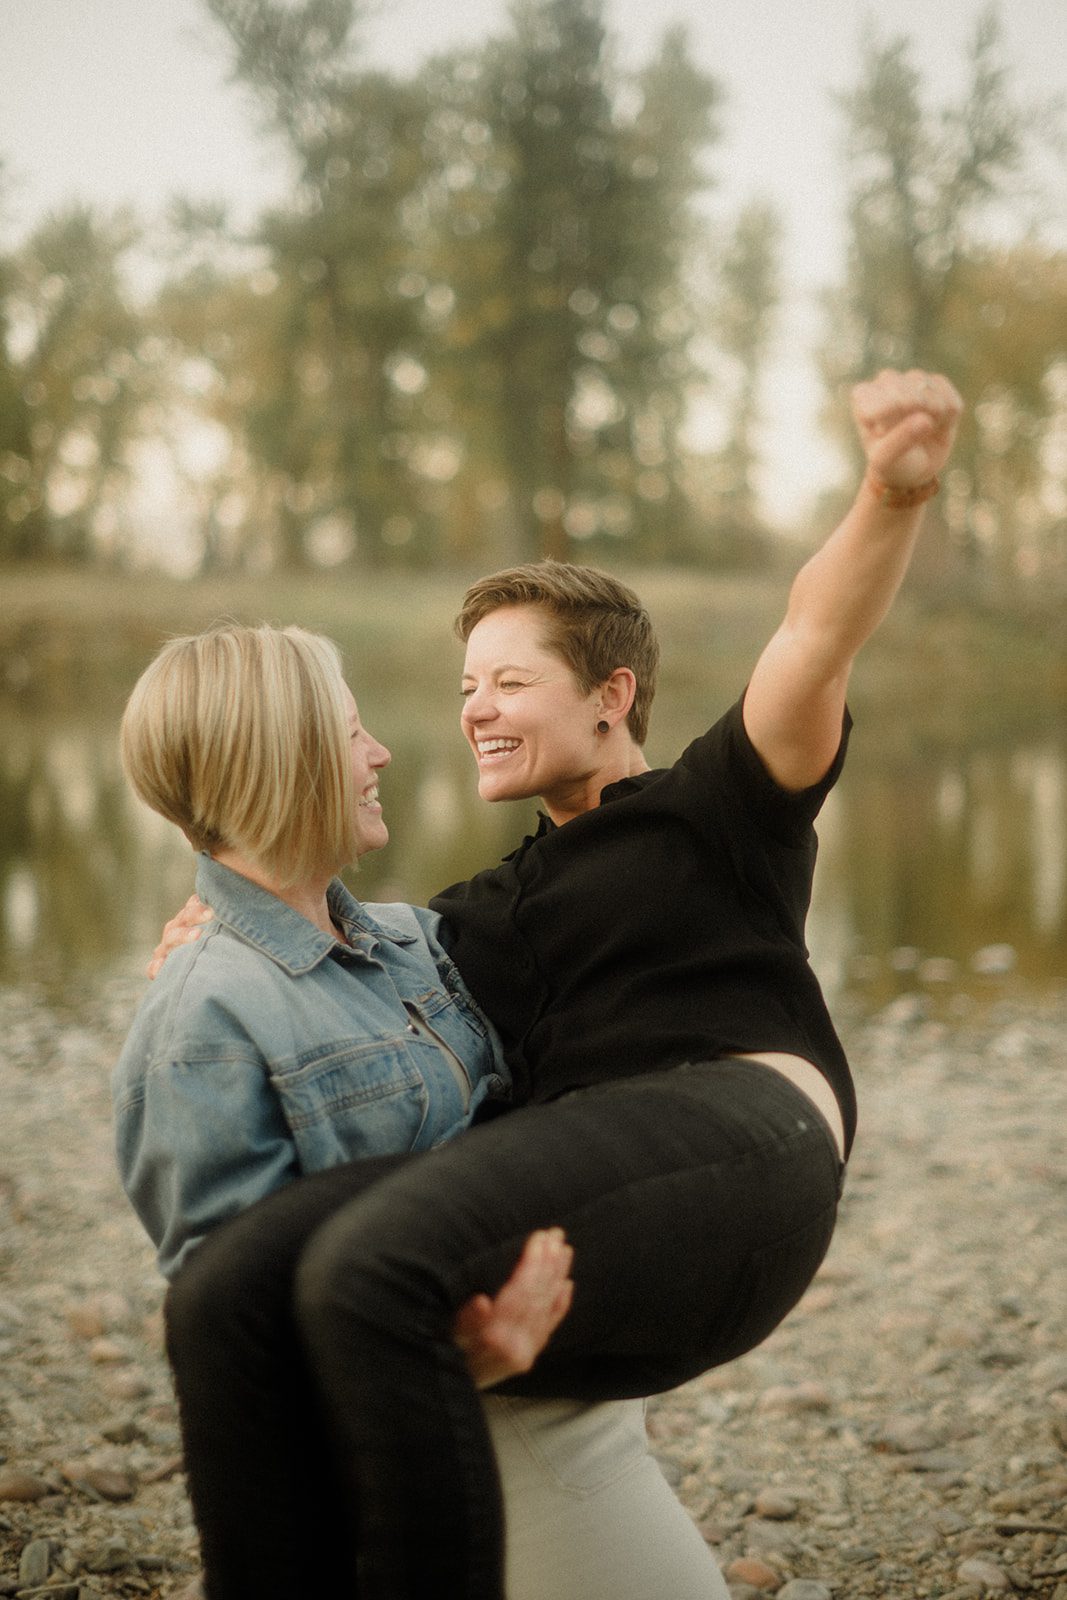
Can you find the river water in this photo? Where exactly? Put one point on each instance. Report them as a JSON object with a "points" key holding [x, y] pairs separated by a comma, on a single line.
{"points": [[943, 855]]}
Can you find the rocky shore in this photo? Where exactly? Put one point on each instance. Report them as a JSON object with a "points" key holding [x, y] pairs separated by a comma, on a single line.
{"points": [[903, 1434]]}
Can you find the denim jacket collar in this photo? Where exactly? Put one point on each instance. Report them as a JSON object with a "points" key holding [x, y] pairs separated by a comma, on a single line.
{"points": [[282, 934]]}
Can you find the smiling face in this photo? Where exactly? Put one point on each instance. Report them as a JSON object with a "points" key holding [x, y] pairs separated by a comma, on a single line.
{"points": [[530, 726], [368, 759]]}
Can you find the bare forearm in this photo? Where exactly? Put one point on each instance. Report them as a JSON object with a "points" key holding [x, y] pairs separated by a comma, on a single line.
{"points": [[907, 423], [844, 591]]}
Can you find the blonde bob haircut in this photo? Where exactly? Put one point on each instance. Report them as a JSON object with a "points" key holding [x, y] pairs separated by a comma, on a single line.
{"points": [[240, 736]]}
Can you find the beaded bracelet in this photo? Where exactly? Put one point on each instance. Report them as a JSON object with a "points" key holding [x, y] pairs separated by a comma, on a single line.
{"points": [[902, 499]]}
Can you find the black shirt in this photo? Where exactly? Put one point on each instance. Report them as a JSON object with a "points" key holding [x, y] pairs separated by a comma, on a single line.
{"points": [[665, 925]]}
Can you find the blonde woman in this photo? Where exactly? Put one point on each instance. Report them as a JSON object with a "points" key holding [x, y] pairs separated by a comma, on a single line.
{"points": [[306, 1031]]}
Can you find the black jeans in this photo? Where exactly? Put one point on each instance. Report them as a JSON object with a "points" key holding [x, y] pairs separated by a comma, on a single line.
{"points": [[333, 1436]]}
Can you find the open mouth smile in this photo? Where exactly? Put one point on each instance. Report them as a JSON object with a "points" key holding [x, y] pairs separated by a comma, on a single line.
{"points": [[496, 749]]}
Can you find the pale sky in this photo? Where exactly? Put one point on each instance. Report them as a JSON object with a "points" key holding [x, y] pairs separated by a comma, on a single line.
{"points": [[127, 101]]}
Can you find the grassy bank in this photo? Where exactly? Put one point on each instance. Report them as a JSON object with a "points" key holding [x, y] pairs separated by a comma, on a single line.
{"points": [[66, 635]]}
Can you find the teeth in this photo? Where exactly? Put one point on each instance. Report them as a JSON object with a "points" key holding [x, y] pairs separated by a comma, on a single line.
{"points": [[488, 747], [371, 797]]}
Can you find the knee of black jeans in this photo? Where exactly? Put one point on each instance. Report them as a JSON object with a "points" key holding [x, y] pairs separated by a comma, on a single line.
{"points": [[312, 1286], [338, 1278], [216, 1291], [333, 1281], [349, 1279]]}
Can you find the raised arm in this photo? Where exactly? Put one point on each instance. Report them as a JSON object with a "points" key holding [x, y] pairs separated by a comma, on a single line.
{"points": [[907, 423]]}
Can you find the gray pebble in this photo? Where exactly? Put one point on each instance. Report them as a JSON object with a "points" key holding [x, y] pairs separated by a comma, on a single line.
{"points": [[985, 1575], [35, 1563], [906, 1011], [906, 1435], [804, 1589], [993, 960], [111, 1556], [760, 1535], [775, 1505], [123, 1430], [54, 1591], [856, 1554]]}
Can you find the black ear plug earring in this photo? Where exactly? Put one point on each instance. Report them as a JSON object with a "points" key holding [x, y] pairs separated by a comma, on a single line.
{"points": [[603, 727]]}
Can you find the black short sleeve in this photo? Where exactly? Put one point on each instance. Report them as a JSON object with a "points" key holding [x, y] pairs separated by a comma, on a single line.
{"points": [[726, 759]]}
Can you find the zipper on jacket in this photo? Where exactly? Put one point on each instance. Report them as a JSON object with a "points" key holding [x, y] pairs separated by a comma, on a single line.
{"points": [[419, 1025]]}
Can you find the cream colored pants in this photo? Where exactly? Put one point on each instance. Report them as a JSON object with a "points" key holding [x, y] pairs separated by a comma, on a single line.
{"points": [[589, 1514]]}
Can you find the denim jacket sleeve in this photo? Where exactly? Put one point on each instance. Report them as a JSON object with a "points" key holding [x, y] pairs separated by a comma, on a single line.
{"points": [[266, 1050], [199, 1136]]}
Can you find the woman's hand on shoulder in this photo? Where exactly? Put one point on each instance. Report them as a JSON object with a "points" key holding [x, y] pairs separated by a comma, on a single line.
{"points": [[502, 1335], [185, 928]]}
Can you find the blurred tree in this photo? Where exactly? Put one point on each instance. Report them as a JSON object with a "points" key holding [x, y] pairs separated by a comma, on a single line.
{"points": [[661, 237], [550, 112], [1007, 497], [214, 314], [293, 56], [479, 327], [744, 328], [20, 518], [84, 371], [344, 421], [927, 286], [481, 309], [334, 417], [459, 287], [565, 245]]}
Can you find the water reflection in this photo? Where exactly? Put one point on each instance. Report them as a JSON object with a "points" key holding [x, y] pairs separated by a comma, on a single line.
{"points": [[929, 861], [928, 855]]}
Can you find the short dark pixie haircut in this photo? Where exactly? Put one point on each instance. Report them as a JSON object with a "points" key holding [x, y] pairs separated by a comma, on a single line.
{"points": [[593, 623]]}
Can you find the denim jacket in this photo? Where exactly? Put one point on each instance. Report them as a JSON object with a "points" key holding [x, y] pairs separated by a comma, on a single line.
{"points": [[266, 1049]]}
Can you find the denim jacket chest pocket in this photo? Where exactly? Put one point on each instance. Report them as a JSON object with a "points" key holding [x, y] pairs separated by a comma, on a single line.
{"points": [[346, 1099], [390, 1087]]}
